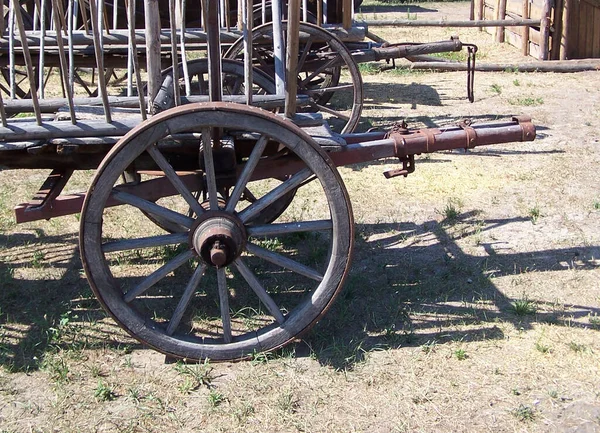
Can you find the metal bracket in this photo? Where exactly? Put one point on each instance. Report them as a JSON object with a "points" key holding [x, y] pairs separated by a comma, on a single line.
{"points": [[408, 167], [472, 52]]}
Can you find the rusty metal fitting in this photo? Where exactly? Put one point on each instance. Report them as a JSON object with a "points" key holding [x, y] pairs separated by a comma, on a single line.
{"points": [[218, 238], [526, 125], [465, 125]]}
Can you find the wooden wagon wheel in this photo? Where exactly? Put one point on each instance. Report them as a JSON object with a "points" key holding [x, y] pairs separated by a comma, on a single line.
{"points": [[228, 289], [320, 76], [232, 78]]}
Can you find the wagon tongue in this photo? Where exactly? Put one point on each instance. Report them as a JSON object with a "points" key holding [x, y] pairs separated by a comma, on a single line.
{"points": [[463, 136]]}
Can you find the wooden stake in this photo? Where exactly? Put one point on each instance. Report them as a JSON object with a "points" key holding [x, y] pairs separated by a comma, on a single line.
{"points": [[293, 43], [565, 39], [480, 12], [557, 34], [347, 6], [153, 61], [525, 30], [545, 30], [28, 62], [501, 16]]}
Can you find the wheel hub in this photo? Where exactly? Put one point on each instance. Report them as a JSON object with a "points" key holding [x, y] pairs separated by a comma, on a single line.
{"points": [[218, 238]]}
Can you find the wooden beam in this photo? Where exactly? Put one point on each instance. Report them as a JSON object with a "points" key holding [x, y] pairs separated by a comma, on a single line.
{"points": [[542, 66], [448, 23], [558, 26], [347, 6], [525, 29], [501, 16], [545, 30]]}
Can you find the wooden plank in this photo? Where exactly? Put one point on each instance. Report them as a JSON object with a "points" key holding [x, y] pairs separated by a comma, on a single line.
{"points": [[557, 34], [589, 37], [574, 30], [596, 47], [566, 30], [582, 29], [545, 30]]}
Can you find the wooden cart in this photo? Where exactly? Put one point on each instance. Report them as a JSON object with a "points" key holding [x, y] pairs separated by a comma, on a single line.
{"points": [[212, 228]]}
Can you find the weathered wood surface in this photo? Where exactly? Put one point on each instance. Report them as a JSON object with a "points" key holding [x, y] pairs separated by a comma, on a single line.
{"points": [[452, 23], [120, 38], [545, 31], [542, 66], [55, 104]]}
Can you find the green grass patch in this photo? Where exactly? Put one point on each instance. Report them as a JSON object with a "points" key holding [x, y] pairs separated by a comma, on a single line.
{"points": [[523, 307], [496, 88], [534, 213], [455, 56], [527, 102], [369, 68], [524, 413]]}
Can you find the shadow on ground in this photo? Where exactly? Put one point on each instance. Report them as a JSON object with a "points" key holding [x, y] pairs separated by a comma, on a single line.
{"points": [[32, 311], [410, 295], [400, 292]]}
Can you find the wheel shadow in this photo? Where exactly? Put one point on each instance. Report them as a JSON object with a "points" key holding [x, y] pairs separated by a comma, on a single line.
{"points": [[403, 293], [46, 303]]}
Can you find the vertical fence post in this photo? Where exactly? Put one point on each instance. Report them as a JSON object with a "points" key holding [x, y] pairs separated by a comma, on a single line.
{"points": [[545, 30], [501, 16], [525, 30]]}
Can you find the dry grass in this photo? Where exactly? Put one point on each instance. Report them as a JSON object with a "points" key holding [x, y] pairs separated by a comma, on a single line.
{"points": [[461, 313]]}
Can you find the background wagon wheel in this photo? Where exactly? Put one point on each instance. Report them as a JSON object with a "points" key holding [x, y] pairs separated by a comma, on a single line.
{"points": [[233, 84], [232, 78], [225, 289], [322, 59]]}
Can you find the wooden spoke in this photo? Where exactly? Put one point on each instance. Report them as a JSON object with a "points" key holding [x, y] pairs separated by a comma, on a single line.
{"points": [[158, 275], [304, 54], [259, 290], [249, 167], [189, 291], [224, 304], [287, 228], [209, 167], [152, 208], [330, 64], [175, 180], [149, 242], [284, 262], [334, 113], [278, 192], [237, 85], [328, 89]]}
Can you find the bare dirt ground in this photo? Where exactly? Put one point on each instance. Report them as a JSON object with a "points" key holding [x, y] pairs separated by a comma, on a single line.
{"points": [[473, 303]]}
